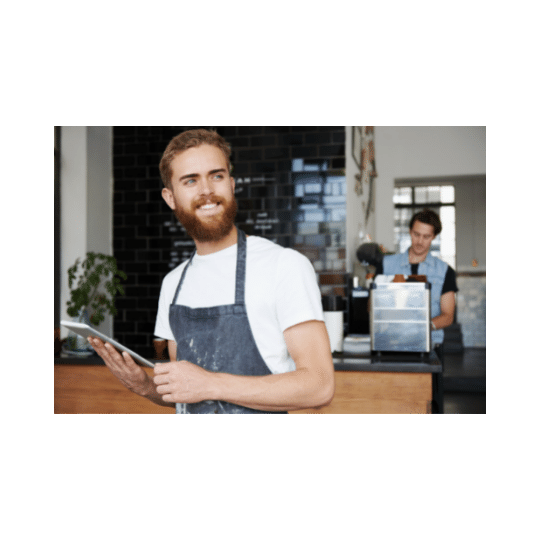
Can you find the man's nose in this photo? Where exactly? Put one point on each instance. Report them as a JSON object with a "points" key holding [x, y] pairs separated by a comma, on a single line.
{"points": [[206, 186]]}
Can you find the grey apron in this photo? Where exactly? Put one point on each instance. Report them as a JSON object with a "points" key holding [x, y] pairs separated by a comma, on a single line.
{"points": [[218, 339]]}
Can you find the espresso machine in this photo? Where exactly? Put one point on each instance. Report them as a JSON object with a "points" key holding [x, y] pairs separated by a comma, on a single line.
{"points": [[400, 315]]}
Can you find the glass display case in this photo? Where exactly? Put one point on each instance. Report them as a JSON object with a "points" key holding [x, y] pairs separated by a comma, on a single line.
{"points": [[400, 317]]}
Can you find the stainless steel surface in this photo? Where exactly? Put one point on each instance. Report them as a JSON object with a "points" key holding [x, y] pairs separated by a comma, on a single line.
{"points": [[400, 317]]}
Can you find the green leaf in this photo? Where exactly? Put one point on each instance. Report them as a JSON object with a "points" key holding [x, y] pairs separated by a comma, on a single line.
{"points": [[95, 269]]}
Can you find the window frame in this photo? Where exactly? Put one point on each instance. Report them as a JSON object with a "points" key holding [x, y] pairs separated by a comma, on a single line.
{"points": [[417, 207]]}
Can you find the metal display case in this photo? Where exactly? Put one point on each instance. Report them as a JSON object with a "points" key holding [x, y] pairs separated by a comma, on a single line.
{"points": [[400, 317]]}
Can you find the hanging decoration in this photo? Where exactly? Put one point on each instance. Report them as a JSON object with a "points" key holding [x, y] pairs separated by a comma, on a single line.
{"points": [[363, 144]]}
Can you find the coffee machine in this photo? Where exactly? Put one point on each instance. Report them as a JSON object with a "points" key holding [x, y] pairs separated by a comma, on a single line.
{"points": [[400, 315], [357, 307]]}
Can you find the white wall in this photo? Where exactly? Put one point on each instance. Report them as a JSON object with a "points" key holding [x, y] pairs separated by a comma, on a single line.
{"points": [[356, 205], [422, 152], [86, 200]]}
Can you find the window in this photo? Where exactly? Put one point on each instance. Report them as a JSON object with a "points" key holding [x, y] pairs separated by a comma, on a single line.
{"points": [[411, 199]]}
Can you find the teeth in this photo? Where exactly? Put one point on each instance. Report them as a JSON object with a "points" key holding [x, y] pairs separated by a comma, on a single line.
{"points": [[208, 206]]}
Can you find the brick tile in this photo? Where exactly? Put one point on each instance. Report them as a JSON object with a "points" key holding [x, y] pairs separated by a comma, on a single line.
{"points": [[143, 243]]}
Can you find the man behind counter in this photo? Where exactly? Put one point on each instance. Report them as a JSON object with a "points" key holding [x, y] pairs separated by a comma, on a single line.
{"points": [[243, 317], [423, 228]]}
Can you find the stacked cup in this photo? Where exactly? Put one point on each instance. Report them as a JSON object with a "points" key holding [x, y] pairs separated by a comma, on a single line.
{"points": [[333, 307]]}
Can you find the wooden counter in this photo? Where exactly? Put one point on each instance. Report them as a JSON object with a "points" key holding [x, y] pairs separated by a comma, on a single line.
{"points": [[376, 392], [93, 389], [390, 383], [362, 386]]}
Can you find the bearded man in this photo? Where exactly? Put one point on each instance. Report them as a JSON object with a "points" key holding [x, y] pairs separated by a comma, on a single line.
{"points": [[243, 317]]}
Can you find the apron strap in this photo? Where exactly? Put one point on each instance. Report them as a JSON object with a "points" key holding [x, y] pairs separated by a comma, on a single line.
{"points": [[239, 296], [182, 278]]}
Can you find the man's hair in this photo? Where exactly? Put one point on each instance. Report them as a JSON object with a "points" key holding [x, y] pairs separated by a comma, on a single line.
{"points": [[429, 217], [191, 139]]}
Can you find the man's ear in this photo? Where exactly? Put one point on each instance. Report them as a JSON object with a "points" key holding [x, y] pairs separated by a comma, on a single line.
{"points": [[168, 197], [232, 184]]}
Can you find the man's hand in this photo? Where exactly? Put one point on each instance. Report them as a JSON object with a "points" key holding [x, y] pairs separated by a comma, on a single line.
{"points": [[182, 382], [123, 367]]}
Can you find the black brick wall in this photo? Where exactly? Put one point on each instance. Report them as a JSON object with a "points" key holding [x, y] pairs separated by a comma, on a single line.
{"points": [[290, 187]]}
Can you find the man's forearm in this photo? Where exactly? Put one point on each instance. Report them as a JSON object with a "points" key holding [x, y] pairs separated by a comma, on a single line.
{"points": [[298, 389], [310, 385], [442, 321], [448, 307]]}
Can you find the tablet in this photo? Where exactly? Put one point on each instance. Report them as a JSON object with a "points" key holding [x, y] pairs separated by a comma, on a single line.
{"points": [[87, 331]]}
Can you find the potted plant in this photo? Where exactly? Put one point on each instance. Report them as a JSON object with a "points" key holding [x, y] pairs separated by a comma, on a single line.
{"points": [[94, 284]]}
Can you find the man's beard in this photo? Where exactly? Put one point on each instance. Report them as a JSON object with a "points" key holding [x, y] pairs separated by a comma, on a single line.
{"points": [[214, 228]]}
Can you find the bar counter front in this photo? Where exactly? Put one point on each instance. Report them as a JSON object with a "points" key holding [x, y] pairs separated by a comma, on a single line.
{"points": [[386, 383]]}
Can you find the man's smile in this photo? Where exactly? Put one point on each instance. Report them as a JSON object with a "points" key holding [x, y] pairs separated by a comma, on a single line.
{"points": [[209, 209]]}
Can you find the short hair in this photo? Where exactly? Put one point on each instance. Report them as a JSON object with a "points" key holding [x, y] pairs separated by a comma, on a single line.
{"points": [[191, 139], [429, 217]]}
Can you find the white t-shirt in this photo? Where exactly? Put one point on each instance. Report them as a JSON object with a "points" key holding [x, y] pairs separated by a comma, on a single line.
{"points": [[281, 291]]}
